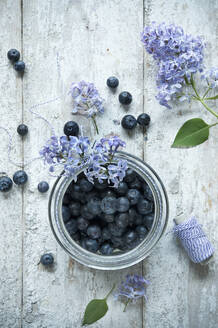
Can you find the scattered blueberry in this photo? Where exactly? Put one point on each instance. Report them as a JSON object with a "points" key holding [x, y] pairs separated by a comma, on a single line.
{"points": [[94, 231], [66, 214], [47, 259], [125, 98], [71, 128], [122, 204], [85, 185], [91, 245], [130, 236], [13, 55], [108, 205], [133, 196], [19, 66], [74, 208], [143, 120], [43, 186], [121, 220], [122, 188], [144, 206], [71, 226], [82, 223], [112, 82], [128, 122], [5, 184], [22, 130], [20, 177], [106, 249]]}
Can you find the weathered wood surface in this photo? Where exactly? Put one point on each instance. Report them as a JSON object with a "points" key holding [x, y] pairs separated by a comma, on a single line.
{"points": [[96, 39]]}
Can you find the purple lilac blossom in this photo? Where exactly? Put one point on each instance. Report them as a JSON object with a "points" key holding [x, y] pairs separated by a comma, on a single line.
{"points": [[86, 99], [132, 288], [178, 56], [211, 76]]}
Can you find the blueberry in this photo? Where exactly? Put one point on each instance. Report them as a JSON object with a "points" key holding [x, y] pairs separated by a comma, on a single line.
{"points": [[76, 236], [20, 177], [13, 55], [133, 196], [66, 199], [66, 214], [112, 82], [85, 185], [122, 188], [93, 195], [125, 98], [5, 184], [76, 193], [144, 120], [108, 205], [71, 227], [71, 128], [147, 192], [130, 236], [117, 241], [82, 223], [130, 175], [132, 215], [148, 221], [101, 186], [138, 219], [19, 66], [43, 186], [22, 130], [133, 244], [85, 213], [106, 249], [128, 122], [144, 206], [121, 220], [94, 231], [122, 204], [105, 234], [141, 231], [94, 206], [91, 245], [108, 193], [47, 259], [115, 230], [135, 184], [74, 208], [108, 218]]}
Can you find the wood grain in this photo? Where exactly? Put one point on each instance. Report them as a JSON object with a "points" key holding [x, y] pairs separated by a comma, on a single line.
{"points": [[10, 203]]}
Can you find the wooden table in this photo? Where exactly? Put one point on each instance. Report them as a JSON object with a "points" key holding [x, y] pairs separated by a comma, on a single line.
{"points": [[92, 40]]}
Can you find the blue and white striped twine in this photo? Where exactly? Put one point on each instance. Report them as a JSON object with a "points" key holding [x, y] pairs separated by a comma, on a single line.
{"points": [[194, 240]]}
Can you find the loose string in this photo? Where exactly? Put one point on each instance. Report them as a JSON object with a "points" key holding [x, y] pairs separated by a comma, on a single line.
{"points": [[194, 240]]}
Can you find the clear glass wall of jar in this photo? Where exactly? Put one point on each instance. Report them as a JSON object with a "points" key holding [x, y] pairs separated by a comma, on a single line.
{"points": [[122, 259]]}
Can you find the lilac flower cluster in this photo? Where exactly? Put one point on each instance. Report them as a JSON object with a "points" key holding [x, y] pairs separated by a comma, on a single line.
{"points": [[74, 153], [211, 77], [132, 288], [178, 56], [86, 99]]}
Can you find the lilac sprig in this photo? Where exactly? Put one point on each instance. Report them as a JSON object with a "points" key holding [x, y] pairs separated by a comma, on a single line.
{"points": [[72, 154], [86, 100], [133, 288]]}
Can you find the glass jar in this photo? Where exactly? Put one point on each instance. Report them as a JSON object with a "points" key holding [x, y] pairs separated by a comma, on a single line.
{"points": [[120, 260]]}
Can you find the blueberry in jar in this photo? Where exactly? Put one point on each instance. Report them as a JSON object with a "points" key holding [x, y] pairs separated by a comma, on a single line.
{"points": [[122, 188], [148, 221], [82, 223], [5, 184], [122, 204], [130, 236], [71, 227], [133, 196], [108, 217], [106, 249], [94, 206], [108, 205], [115, 230], [141, 231], [121, 220], [130, 175], [105, 234], [144, 206], [92, 245], [86, 213], [94, 231], [66, 214], [85, 185], [74, 208]]}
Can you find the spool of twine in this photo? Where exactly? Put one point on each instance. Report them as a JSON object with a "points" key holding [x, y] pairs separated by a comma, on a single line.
{"points": [[193, 239]]}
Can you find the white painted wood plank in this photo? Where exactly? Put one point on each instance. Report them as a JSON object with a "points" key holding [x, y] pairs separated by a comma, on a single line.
{"points": [[182, 294], [10, 204], [95, 39]]}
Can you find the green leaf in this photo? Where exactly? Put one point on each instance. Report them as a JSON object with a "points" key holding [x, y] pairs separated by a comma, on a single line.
{"points": [[95, 310], [211, 98], [192, 133]]}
